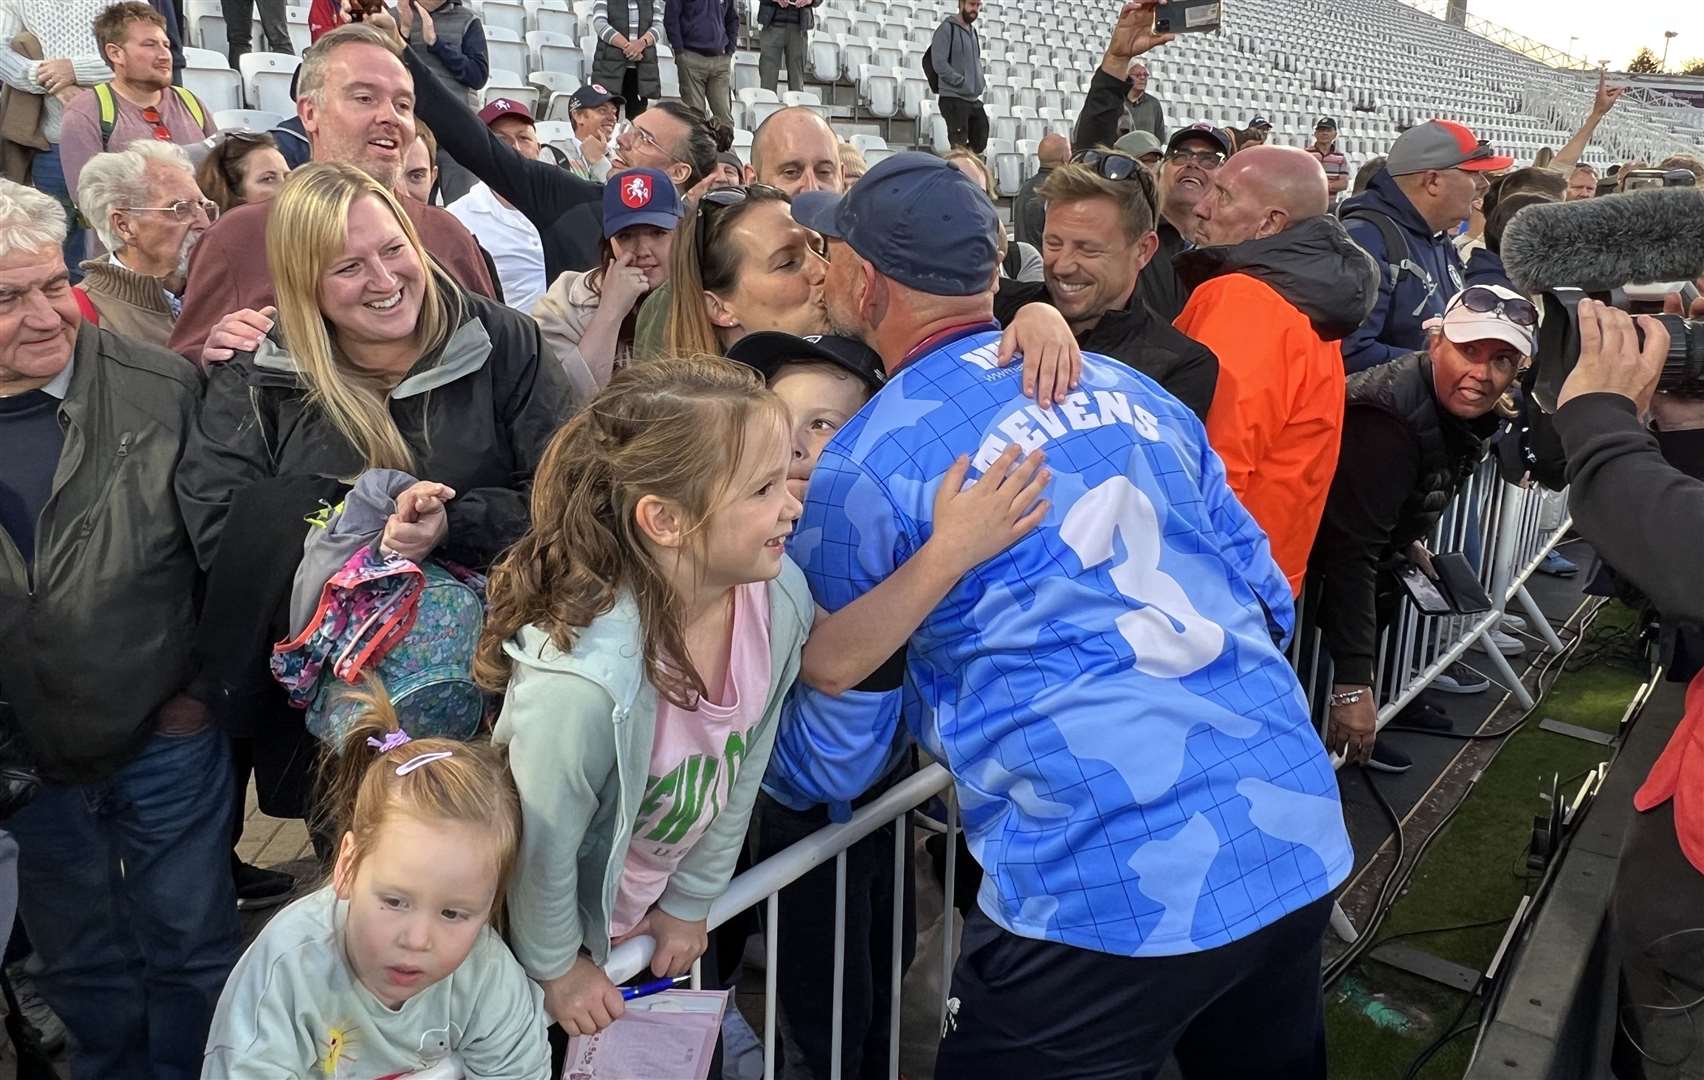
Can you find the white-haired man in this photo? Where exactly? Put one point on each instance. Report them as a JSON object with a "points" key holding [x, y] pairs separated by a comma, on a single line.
{"points": [[145, 206], [124, 852]]}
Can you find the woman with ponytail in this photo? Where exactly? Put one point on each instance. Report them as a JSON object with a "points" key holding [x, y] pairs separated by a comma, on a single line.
{"points": [[393, 967]]}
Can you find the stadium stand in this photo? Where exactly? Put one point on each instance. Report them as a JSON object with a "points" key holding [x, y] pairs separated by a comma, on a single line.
{"points": [[1378, 66]]}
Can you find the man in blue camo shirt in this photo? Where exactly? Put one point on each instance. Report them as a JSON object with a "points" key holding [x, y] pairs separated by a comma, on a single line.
{"points": [[1156, 817]]}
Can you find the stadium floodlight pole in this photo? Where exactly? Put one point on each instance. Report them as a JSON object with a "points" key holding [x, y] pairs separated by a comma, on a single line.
{"points": [[1668, 36]]}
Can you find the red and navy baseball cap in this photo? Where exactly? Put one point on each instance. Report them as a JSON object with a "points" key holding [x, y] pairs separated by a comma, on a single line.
{"points": [[640, 197], [497, 108], [1203, 130], [591, 95], [1439, 145], [915, 218]]}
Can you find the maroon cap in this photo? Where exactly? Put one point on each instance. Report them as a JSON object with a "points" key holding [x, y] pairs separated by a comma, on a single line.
{"points": [[498, 108]]}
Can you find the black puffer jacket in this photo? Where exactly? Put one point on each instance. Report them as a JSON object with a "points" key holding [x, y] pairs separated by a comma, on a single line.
{"points": [[477, 414], [1313, 265]]}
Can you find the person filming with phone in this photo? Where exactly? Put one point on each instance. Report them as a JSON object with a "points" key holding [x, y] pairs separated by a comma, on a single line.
{"points": [[1415, 429]]}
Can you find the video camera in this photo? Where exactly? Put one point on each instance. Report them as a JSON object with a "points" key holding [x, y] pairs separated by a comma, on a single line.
{"points": [[1567, 252]]}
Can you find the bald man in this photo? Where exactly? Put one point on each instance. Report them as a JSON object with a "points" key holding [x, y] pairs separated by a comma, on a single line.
{"points": [[1029, 213], [1277, 285], [796, 151]]}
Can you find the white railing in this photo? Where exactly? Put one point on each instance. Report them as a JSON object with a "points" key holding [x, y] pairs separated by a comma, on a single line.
{"points": [[1507, 530]]}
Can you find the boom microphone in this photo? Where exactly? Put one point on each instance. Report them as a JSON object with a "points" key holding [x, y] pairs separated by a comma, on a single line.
{"points": [[1605, 243]]}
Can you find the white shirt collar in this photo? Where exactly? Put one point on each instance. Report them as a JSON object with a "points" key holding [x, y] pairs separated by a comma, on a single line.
{"points": [[60, 385]]}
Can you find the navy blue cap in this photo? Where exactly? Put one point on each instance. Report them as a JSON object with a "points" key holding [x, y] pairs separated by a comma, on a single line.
{"points": [[591, 95], [917, 219], [640, 197]]}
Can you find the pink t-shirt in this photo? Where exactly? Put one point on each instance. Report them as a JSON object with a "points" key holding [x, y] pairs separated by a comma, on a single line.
{"points": [[695, 758]]}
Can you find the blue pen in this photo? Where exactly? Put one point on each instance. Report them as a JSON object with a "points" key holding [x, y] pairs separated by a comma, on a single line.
{"points": [[629, 993]]}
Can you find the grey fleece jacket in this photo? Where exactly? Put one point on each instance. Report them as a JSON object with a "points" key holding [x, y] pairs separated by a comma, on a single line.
{"points": [[956, 52]]}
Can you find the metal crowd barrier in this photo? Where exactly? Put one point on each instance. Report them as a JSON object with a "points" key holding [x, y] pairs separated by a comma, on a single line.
{"points": [[1506, 531]]}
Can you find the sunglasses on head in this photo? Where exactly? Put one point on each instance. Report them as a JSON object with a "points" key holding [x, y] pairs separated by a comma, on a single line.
{"points": [[1110, 165], [720, 199], [1482, 300]]}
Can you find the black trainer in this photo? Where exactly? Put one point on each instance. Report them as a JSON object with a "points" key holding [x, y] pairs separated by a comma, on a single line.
{"points": [[1388, 759], [259, 889]]}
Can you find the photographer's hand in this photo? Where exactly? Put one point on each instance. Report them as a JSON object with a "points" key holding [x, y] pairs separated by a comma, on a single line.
{"points": [[1611, 360]]}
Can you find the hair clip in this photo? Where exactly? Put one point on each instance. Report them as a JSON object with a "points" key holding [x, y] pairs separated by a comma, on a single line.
{"points": [[414, 763], [395, 739]]}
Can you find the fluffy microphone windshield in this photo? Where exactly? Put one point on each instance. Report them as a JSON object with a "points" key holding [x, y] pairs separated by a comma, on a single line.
{"points": [[1598, 244]]}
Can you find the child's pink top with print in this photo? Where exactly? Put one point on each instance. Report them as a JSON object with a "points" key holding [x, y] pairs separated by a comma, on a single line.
{"points": [[695, 757]]}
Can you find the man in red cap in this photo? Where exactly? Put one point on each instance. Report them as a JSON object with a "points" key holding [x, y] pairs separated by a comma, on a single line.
{"points": [[511, 239], [1405, 220]]}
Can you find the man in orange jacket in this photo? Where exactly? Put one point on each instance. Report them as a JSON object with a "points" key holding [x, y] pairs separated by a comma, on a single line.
{"points": [[1277, 285]]}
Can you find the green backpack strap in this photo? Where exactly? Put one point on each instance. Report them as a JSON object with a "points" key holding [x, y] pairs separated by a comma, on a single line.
{"points": [[108, 106]]}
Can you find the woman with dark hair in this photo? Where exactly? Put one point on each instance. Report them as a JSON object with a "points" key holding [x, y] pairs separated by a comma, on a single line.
{"points": [[587, 317], [242, 167]]}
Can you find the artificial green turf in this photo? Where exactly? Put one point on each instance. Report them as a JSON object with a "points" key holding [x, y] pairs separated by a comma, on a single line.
{"points": [[1378, 1018]]}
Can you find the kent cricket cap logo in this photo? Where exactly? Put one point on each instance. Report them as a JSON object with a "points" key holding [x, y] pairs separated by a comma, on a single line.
{"points": [[636, 192]]}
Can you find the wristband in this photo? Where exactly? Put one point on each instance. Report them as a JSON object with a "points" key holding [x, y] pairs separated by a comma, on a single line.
{"points": [[1348, 697]]}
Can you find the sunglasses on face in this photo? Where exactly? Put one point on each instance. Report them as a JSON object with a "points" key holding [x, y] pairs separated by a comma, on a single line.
{"points": [[182, 211], [1110, 166], [1483, 301], [1203, 159]]}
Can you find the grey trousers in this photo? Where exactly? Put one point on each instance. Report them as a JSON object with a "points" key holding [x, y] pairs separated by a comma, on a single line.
{"points": [[776, 41], [239, 28], [707, 84]]}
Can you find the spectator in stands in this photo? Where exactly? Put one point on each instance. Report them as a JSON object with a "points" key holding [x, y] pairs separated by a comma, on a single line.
{"points": [[371, 130], [1029, 214], [1582, 183], [420, 166], [1093, 998], [729, 172], [589, 319], [1415, 429], [784, 27], [68, 59], [1277, 284], [1486, 265], [593, 111], [852, 165], [1364, 175], [1018, 261], [504, 232], [626, 56], [1684, 161], [1405, 221], [1142, 110], [449, 39], [704, 35], [1258, 131], [139, 103], [145, 208], [567, 209], [796, 150], [955, 52], [1331, 159], [1098, 238], [334, 376], [1575, 148], [1142, 146], [239, 27], [133, 773], [242, 167]]}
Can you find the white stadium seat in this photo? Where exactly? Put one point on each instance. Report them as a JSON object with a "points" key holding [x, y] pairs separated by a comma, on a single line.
{"points": [[266, 80], [247, 119], [219, 88]]}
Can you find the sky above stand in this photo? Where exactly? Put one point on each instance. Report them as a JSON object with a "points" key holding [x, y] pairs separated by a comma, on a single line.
{"points": [[1612, 32]]}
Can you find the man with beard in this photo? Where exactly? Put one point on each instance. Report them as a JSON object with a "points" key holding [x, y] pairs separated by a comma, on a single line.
{"points": [[139, 103], [145, 207], [1192, 155], [956, 54], [356, 102], [1277, 284]]}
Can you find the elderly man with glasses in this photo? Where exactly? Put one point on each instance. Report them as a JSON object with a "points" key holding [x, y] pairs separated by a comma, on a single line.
{"points": [[1407, 219], [149, 213]]}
